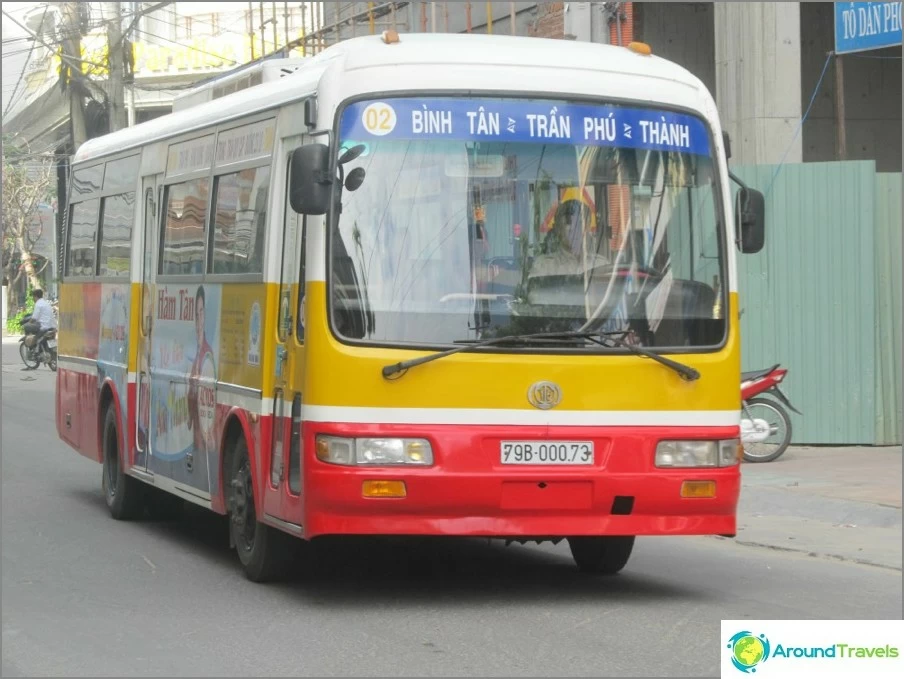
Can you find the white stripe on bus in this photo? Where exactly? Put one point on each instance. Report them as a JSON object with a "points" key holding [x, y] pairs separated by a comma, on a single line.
{"points": [[500, 416]]}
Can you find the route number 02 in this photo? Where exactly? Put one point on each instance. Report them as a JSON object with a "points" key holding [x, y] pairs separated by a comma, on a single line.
{"points": [[379, 119]]}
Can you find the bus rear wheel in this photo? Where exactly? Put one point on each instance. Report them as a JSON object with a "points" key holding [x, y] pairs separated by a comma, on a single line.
{"points": [[601, 555], [122, 493], [263, 551]]}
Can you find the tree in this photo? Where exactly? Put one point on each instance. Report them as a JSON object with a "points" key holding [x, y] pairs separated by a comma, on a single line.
{"points": [[28, 182]]}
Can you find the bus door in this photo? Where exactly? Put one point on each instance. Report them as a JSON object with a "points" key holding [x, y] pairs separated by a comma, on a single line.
{"points": [[283, 495], [177, 403], [151, 208]]}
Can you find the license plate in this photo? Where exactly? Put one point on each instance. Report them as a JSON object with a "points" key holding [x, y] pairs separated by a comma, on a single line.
{"points": [[51, 343], [546, 452]]}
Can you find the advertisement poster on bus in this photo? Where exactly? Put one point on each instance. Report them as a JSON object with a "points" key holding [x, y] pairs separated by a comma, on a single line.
{"points": [[79, 322], [146, 323], [113, 347], [241, 335], [184, 362]]}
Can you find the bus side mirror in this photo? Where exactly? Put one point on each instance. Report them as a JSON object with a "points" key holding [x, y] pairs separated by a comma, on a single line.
{"points": [[750, 208], [310, 179], [726, 141]]}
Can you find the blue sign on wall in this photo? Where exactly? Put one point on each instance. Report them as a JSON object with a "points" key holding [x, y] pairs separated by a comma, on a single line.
{"points": [[861, 26]]}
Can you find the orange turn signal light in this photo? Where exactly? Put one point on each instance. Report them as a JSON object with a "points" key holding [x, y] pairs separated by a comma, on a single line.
{"points": [[640, 48], [698, 489], [384, 489]]}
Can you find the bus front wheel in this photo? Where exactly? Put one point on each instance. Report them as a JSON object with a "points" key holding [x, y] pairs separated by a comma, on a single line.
{"points": [[122, 493], [262, 550], [601, 555]]}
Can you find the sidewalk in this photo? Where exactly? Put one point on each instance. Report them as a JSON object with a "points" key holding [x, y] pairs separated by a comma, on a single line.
{"points": [[833, 502]]}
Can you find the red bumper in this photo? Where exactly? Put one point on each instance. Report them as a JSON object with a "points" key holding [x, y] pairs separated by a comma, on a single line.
{"points": [[469, 492]]}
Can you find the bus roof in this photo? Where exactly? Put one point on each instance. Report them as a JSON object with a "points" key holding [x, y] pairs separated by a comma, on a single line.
{"points": [[429, 50]]}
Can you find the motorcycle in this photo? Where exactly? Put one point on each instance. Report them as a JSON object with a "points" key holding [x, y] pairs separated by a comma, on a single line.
{"points": [[35, 349], [765, 424]]}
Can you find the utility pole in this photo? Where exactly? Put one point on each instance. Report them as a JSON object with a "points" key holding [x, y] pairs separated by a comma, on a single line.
{"points": [[130, 109], [71, 64], [251, 27], [116, 68], [263, 27]]}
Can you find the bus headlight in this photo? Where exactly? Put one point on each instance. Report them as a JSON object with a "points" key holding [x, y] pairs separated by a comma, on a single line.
{"points": [[686, 454], [374, 451]]}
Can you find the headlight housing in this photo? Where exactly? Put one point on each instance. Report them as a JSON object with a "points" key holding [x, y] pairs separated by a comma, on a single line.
{"points": [[691, 454], [374, 451]]}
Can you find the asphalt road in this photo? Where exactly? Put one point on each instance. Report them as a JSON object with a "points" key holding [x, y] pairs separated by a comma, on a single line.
{"points": [[83, 594]]}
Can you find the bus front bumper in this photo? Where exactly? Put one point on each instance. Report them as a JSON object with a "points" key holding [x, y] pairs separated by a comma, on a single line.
{"points": [[468, 492]]}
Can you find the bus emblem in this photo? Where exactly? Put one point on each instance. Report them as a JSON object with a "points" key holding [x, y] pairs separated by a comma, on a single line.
{"points": [[544, 395]]}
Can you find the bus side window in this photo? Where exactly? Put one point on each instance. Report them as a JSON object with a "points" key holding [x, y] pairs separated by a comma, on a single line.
{"points": [[184, 228], [82, 238]]}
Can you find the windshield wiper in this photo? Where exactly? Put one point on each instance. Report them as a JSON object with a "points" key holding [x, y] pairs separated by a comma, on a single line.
{"points": [[685, 371], [390, 370]]}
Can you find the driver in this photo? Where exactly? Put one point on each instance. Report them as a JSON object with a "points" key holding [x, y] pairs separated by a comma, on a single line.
{"points": [[563, 254]]}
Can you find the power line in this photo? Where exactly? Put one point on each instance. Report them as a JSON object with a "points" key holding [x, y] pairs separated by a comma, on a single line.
{"points": [[12, 97], [219, 28], [170, 23], [800, 123], [191, 47], [78, 62], [65, 34], [62, 34], [18, 38]]}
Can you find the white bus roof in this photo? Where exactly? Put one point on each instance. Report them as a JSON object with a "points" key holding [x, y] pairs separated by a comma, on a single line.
{"points": [[430, 50]]}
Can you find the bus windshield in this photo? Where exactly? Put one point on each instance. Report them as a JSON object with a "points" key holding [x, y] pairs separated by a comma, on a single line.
{"points": [[481, 219]]}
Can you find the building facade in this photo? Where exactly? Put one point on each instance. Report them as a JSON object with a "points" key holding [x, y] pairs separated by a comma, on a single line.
{"points": [[763, 61]]}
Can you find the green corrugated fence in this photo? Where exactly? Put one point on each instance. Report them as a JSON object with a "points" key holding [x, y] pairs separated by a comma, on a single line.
{"points": [[823, 298]]}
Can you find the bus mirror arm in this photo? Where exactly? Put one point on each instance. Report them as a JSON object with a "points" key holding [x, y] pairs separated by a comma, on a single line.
{"points": [[737, 180]]}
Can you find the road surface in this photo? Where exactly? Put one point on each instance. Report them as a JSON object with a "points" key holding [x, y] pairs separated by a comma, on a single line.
{"points": [[83, 594]]}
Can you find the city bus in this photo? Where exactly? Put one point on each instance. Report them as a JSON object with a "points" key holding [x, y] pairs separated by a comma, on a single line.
{"points": [[444, 285]]}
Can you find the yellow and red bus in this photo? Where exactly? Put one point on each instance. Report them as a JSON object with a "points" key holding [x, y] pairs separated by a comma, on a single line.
{"points": [[449, 285]]}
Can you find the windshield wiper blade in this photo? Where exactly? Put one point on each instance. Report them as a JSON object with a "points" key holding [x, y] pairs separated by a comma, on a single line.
{"points": [[390, 370], [685, 371]]}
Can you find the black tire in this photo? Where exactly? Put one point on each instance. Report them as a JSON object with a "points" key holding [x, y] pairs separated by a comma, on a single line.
{"points": [[52, 364], [783, 444], [123, 494], [601, 555], [163, 506], [30, 363], [263, 551]]}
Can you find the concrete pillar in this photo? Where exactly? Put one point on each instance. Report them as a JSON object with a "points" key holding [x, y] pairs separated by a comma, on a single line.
{"points": [[758, 89], [587, 21]]}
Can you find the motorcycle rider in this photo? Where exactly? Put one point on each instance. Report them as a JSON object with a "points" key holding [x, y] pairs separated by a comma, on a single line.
{"points": [[42, 317]]}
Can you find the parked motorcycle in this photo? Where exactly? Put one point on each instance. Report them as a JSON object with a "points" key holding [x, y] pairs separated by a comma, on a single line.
{"points": [[35, 349], [765, 424]]}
